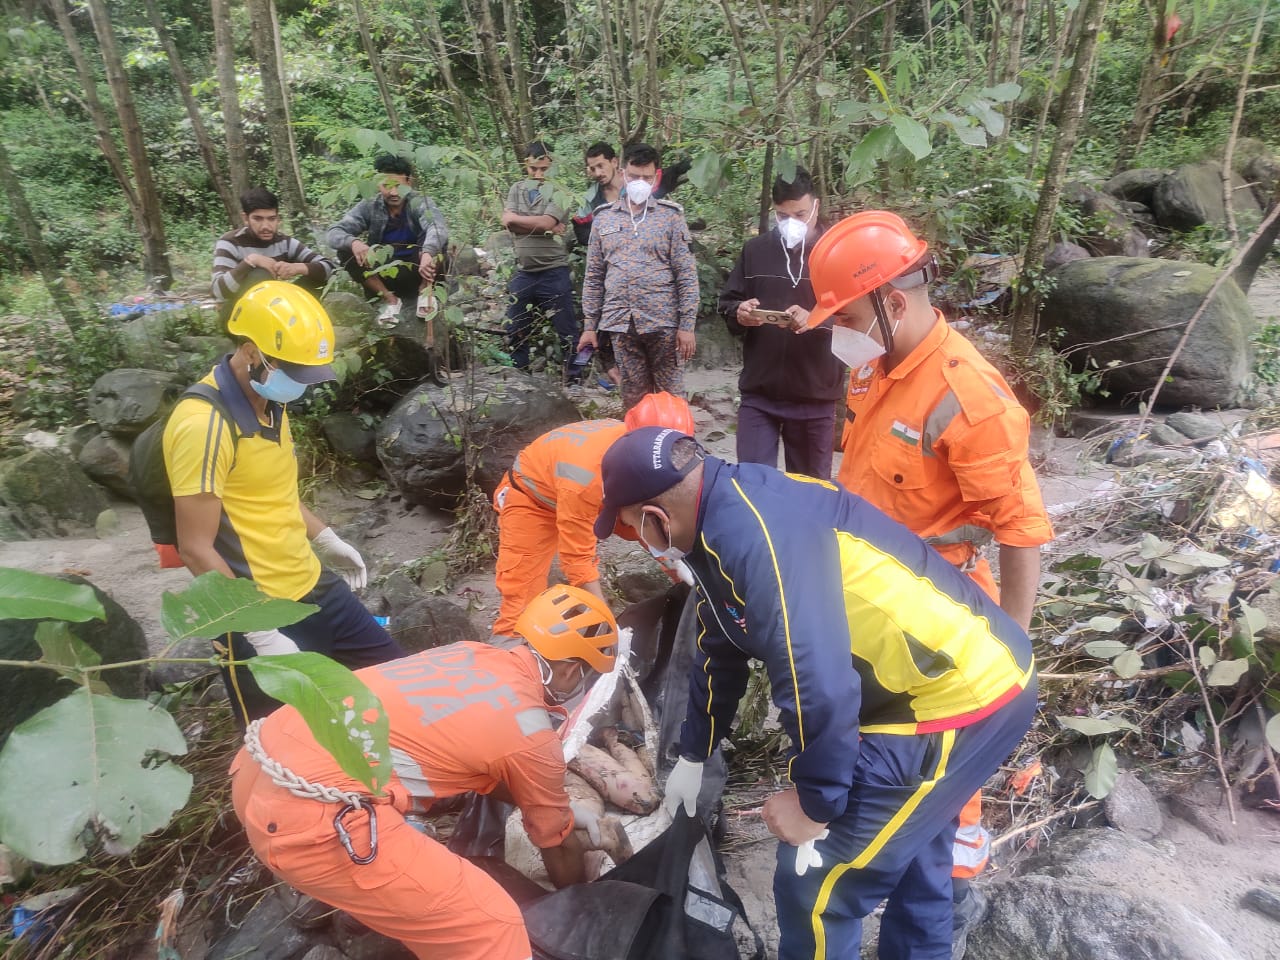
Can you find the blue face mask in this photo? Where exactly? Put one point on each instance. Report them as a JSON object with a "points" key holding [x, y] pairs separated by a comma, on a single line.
{"points": [[279, 387]]}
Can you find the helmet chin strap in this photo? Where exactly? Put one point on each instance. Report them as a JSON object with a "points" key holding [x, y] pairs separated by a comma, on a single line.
{"points": [[882, 320]]}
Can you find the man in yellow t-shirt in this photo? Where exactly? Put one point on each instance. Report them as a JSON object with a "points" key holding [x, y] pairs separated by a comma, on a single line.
{"points": [[235, 491]]}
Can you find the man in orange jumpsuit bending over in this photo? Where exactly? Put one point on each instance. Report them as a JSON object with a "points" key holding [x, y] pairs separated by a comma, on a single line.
{"points": [[465, 717], [933, 436], [550, 498]]}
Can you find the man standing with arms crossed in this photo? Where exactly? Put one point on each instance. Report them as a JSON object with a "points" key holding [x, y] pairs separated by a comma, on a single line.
{"points": [[934, 437], [541, 285], [641, 283]]}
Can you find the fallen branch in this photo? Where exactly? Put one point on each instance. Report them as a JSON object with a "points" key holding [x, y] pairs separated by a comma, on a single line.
{"points": [[1217, 729], [1105, 675], [1043, 822]]}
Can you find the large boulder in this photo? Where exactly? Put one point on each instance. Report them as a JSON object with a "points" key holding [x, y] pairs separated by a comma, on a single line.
{"points": [[48, 495], [1191, 196], [433, 622], [717, 347], [1111, 233], [1069, 919], [105, 459], [1064, 251], [1125, 308], [1262, 173], [350, 435], [25, 691], [126, 402], [479, 420], [145, 344], [1138, 185]]}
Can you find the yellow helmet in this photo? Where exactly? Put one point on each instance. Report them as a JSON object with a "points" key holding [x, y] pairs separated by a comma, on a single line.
{"points": [[569, 623], [289, 325]]}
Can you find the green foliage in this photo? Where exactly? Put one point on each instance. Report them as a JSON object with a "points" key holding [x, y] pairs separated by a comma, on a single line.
{"points": [[1266, 353], [33, 596], [89, 768], [99, 768], [341, 713]]}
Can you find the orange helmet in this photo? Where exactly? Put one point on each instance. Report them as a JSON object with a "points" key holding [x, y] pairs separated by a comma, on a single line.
{"points": [[661, 410], [569, 623], [859, 255]]}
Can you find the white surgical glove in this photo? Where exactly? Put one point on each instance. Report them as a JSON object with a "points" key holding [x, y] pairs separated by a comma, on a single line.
{"points": [[269, 642], [807, 854], [584, 818], [683, 786], [340, 557]]}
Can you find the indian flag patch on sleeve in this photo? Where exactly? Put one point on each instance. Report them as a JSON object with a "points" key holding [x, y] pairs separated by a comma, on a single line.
{"points": [[905, 433]]}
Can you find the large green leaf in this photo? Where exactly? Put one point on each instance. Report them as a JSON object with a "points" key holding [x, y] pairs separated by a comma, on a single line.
{"points": [[1273, 732], [1225, 673], [33, 596], [342, 713], [64, 650], [912, 134], [1100, 775], [1095, 726], [708, 174], [785, 166], [215, 605], [1127, 664], [875, 146], [1105, 649], [87, 766]]}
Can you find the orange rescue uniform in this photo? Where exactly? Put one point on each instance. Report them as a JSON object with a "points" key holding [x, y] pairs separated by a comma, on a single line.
{"points": [[939, 443], [466, 717], [547, 504]]}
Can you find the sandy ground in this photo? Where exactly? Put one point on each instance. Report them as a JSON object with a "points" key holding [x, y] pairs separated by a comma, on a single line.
{"points": [[1206, 877]]}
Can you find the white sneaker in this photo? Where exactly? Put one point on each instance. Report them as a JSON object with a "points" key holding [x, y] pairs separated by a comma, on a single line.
{"points": [[389, 315]]}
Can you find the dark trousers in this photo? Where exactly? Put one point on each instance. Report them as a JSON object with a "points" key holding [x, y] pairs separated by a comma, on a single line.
{"points": [[807, 440], [257, 275], [341, 629], [404, 281], [648, 363], [546, 293], [894, 840]]}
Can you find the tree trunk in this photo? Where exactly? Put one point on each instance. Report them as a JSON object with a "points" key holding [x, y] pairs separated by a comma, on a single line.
{"points": [[1147, 102], [887, 32], [519, 79], [375, 64], [97, 112], [993, 51], [263, 34], [155, 256], [1013, 52], [224, 56], [1233, 233], [493, 73], [461, 108], [29, 224], [1256, 251], [1042, 121], [1070, 113], [203, 141]]}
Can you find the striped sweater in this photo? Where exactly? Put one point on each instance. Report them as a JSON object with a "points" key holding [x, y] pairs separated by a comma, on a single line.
{"points": [[230, 268]]}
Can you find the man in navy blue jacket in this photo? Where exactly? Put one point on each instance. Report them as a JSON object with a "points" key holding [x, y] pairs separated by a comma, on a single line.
{"points": [[901, 684]]}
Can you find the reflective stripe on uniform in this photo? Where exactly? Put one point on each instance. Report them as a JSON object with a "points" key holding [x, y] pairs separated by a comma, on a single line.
{"points": [[936, 423], [532, 720], [965, 533], [410, 773], [574, 473], [971, 850], [526, 486]]}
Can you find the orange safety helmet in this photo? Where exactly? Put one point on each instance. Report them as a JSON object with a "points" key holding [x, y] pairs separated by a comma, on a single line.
{"points": [[569, 623], [859, 255], [661, 410]]}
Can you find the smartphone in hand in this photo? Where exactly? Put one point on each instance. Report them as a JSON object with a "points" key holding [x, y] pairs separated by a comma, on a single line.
{"points": [[779, 318]]}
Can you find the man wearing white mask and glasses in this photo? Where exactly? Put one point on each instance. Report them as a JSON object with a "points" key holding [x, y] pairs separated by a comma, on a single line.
{"points": [[641, 283], [789, 384]]}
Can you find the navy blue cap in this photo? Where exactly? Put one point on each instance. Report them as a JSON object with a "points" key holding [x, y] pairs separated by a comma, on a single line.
{"points": [[636, 469]]}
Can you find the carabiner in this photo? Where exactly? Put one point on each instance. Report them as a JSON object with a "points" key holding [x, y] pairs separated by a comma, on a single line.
{"points": [[344, 837]]}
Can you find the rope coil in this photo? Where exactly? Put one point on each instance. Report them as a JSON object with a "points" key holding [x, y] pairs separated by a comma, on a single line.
{"points": [[283, 777]]}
